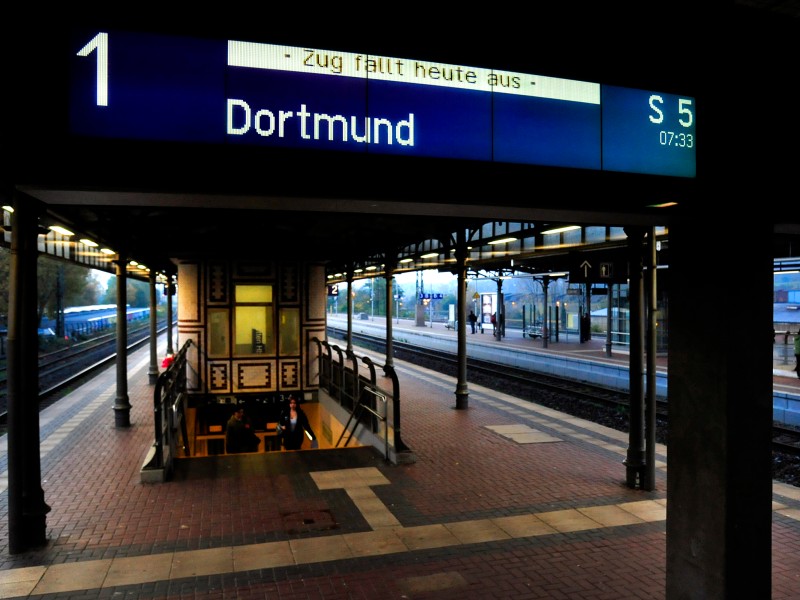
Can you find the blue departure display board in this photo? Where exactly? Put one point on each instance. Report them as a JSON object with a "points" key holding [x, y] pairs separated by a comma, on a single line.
{"points": [[156, 87]]}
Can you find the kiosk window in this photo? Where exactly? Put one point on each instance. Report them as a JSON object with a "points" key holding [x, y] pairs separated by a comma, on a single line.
{"points": [[253, 320]]}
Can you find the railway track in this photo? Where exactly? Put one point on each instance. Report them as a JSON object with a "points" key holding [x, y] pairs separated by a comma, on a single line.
{"points": [[63, 369], [591, 402]]}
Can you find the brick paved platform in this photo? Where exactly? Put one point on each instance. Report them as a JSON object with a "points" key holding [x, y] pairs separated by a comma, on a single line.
{"points": [[505, 500]]}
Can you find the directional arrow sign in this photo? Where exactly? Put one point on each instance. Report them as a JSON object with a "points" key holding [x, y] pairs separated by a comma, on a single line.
{"points": [[610, 270]]}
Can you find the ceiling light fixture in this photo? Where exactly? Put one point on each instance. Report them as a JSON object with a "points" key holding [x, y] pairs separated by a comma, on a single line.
{"points": [[503, 241], [561, 229], [61, 230]]}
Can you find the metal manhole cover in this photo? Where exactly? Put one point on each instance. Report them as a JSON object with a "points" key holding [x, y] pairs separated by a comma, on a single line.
{"points": [[309, 520]]}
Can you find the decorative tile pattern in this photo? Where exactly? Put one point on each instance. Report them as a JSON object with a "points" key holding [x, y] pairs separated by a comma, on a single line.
{"points": [[219, 380], [254, 376]]}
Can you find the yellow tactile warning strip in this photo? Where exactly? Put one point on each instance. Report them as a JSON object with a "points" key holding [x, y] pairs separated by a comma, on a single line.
{"points": [[387, 536], [522, 434]]}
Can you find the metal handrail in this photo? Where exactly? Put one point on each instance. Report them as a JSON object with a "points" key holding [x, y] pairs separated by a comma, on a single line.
{"points": [[340, 373], [355, 418], [169, 409]]}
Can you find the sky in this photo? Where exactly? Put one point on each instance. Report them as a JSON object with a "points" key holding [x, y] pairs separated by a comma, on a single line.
{"points": [[101, 276], [431, 278]]}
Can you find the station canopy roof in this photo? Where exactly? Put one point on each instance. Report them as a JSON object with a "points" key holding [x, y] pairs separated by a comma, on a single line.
{"points": [[166, 202]]}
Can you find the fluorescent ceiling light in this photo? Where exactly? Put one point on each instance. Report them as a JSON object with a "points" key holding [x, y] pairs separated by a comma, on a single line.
{"points": [[430, 255], [61, 230], [90, 243], [503, 241], [561, 229], [406, 260]]}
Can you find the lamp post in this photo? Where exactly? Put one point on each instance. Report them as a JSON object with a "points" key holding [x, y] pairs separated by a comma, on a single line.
{"points": [[557, 317]]}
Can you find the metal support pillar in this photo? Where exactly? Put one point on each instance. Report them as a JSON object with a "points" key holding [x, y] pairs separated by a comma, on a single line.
{"points": [[389, 275], [152, 372], [609, 318], [122, 405], [349, 348], [587, 337], [635, 458], [649, 480], [26, 505], [462, 389], [170, 289], [61, 331], [545, 313], [500, 325]]}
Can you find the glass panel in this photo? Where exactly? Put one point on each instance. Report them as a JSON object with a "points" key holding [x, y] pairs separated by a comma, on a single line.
{"points": [[253, 320], [290, 332], [269, 331], [616, 233], [573, 236], [251, 327], [595, 234], [218, 332], [261, 294]]}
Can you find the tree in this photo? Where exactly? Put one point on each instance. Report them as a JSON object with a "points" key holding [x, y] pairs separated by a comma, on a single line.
{"points": [[137, 293], [79, 288]]}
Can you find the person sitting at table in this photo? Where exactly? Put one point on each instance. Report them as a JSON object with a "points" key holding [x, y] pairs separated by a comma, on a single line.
{"points": [[239, 437]]}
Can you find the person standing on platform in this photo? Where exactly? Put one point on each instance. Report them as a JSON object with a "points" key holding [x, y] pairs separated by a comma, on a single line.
{"points": [[293, 425], [797, 352], [239, 437], [472, 320]]}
